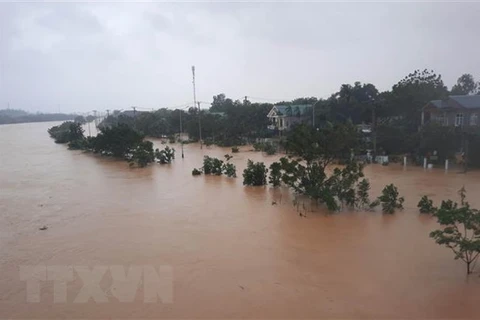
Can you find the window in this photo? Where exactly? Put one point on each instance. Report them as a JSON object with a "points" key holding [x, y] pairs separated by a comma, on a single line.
{"points": [[459, 120], [473, 119]]}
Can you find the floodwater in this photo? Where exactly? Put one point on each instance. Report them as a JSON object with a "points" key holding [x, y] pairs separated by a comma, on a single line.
{"points": [[233, 253]]}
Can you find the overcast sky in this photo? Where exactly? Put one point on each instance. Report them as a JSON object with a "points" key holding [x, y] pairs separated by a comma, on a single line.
{"points": [[85, 56]]}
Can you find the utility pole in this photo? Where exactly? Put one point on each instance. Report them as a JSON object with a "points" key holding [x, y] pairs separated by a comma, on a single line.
{"points": [[194, 104], [108, 113]]}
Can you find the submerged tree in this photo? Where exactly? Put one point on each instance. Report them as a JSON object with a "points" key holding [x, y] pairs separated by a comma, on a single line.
{"points": [[460, 230], [255, 174], [390, 200]]}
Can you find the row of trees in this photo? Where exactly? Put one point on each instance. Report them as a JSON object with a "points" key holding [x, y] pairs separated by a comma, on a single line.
{"points": [[118, 141], [394, 116], [8, 116]]}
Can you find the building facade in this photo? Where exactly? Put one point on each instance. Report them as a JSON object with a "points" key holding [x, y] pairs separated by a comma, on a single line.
{"points": [[283, 117], [458, 111]]}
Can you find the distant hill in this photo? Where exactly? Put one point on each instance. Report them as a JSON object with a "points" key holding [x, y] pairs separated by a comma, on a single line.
{"points": [[8, 116]]}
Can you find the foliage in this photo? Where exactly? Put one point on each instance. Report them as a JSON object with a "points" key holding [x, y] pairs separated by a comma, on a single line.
{"points": [[426, 205], [465, 85], [66, 132], [217, 167], [363, 200], [255, 174], [80, 119], [142, 154], [323, 145], [230, 170], [267, 147], [460, 229], [119, 141], [166, 155], [350, 103], [212, 166], [196, 172], [390, 200], [235, 150], [341, 188], [444, 140], [8, 116], [275, 177]]}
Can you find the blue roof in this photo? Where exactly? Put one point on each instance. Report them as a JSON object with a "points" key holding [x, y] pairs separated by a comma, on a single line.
{"points": [[293, 110], [468, 102]]}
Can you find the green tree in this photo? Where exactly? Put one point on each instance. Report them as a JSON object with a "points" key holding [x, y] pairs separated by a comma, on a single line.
{"points": [[460, 230], [255, 174], [322, 145], [465, 85], [80, 119], [413, 92], [390, 200]]}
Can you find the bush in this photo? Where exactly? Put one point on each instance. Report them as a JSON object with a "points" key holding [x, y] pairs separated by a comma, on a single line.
{"points": [[269, 148], [390, 200], [142, 154], [426, 205], [196, 172], [212, 166], [255, 174], [230, 170], [235, 150], [258, 146], [66, 132], [166, 155], [363, 201], [275, 177]]}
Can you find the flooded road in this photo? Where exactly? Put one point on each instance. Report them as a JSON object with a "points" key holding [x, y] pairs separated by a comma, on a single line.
{"points": [[233, 253]]}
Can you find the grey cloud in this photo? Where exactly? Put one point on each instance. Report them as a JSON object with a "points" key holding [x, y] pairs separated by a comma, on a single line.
{"points": [[85, 56]]}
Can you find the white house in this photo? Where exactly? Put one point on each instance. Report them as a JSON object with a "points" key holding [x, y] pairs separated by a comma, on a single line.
{"points": [[283, 117]]}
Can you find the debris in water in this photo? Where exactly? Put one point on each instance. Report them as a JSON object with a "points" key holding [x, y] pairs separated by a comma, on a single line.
{"points": [[274, 203], [43, 228], [241, 287]]}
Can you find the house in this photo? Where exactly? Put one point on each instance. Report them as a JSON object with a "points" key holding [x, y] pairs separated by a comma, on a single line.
{"points": [[283, 117], [458, 111]]}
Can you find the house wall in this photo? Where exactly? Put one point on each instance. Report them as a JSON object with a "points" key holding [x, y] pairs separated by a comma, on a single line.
{"points": [[450, 116]]}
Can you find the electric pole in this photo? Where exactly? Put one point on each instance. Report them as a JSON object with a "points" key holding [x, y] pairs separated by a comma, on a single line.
{"points": [[108, 113], [194, 104]]}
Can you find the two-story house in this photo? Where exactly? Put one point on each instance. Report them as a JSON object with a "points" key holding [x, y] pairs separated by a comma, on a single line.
{"points": [[283, 117], [458, 111]]}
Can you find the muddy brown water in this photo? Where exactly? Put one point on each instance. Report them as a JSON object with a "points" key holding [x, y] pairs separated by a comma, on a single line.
{"points": [[233, 253]]}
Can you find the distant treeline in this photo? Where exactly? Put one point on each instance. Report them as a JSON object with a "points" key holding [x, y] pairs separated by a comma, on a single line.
{"points": [[8, 116]]}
